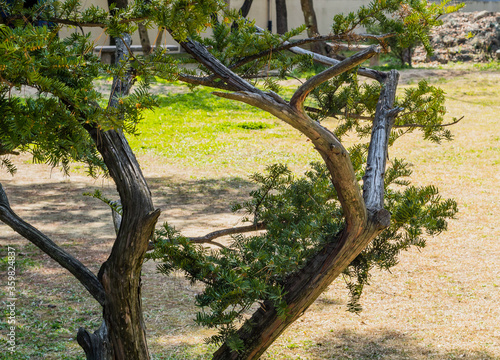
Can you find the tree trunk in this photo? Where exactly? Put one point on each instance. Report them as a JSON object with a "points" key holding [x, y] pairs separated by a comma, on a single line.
{"points": [[362, 226], [312, 26], [406, 56], [281, 17], [144, 37], [120, 275], [245, 8], [159, 38], [123, 335], [143, 31], [302, 289], [96, 345], [364, 214]]}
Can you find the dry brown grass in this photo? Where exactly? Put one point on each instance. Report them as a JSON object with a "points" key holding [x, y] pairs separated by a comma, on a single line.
{"points": [[440, 303]]}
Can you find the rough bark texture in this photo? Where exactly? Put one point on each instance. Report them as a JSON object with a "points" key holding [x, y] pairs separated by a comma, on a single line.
{"points": [[95, 345], [281, 17], [120, 275], [363, 222], [305, 286], [362, 226], [373, 181], [118, 285]]}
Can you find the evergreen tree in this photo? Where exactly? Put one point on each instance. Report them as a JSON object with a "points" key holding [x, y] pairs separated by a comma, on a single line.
{"points": [[402, 45], [345, 216]]}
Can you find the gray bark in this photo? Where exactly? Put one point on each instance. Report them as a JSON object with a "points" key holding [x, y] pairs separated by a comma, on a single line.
{"points": [[120, 275], [144, 38], [373, 181]]}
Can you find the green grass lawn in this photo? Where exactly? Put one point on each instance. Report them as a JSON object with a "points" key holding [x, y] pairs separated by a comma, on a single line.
{"points": [[199, 129]]}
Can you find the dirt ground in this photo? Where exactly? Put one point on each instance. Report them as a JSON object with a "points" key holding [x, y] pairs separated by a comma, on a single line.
{"points": [[440, 303]]}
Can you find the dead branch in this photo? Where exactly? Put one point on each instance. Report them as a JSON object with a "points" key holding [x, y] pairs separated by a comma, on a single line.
{"points": [[423, 126], [231, 231], [373, 181], [287, 45], [325, 60], [301, 93]]}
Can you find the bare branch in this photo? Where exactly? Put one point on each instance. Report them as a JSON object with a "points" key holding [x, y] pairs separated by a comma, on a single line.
{"points": [[373, 181], [301, 93], [287, 45], [231, 231], [378, 38], [422, 126], [75, 267], [333, 152], [209, 238], [325, 60], [201, 54]]}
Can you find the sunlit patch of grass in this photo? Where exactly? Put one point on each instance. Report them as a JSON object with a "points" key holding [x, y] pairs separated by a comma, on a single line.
{"points": [[493, 65], [198, 129]]}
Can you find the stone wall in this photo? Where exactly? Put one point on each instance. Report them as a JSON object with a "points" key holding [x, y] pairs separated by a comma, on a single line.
{"points": [[471, 36]]}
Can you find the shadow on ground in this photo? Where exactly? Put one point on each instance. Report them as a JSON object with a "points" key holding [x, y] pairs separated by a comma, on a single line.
{"points": [[339, 345], [384, 344]]}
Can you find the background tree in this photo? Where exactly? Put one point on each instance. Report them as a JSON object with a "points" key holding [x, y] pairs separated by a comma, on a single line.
{"points": [[141, 28], [311, 22], [393, 21], [245, 8], [281, 17], [67, 121]]}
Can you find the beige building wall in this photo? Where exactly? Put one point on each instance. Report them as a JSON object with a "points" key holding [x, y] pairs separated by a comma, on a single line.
{"points": [[260, 11], [263, 11], [325, 11]]}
